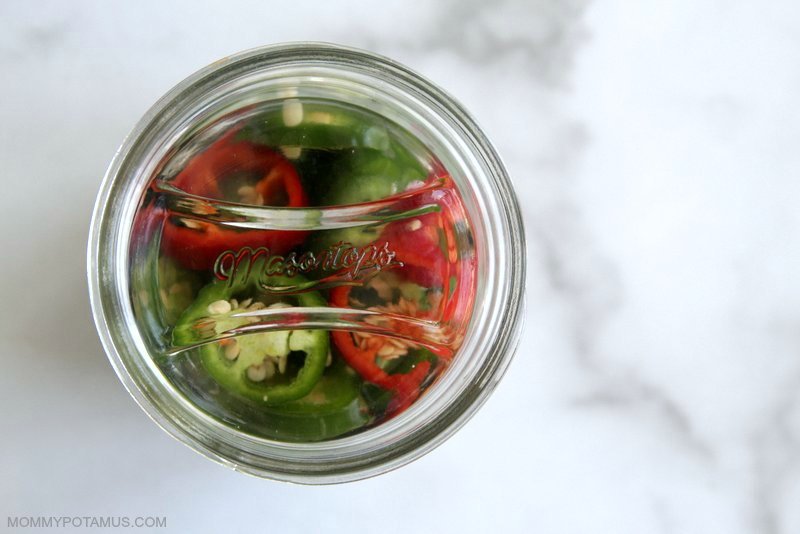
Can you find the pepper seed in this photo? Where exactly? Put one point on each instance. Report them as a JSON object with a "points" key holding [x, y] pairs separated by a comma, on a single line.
{"points": [[387, 350], [257, 373], [247, 194], [381, 287], [292, 152], [292, 112], [231, 349], [219, 307]]}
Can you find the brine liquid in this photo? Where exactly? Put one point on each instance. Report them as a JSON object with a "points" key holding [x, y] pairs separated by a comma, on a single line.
{"points": [[293, 228]]}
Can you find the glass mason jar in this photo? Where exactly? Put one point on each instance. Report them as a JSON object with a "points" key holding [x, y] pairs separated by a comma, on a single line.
{"points": [[306, 262]]}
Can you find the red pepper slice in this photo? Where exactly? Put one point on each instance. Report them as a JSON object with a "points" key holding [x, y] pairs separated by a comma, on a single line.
{"points": [[269, 180], [406, 386], [417, 245], [426, 245]]}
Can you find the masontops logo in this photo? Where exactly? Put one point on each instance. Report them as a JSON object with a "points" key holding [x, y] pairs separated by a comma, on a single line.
{"points": [[347, 262]]}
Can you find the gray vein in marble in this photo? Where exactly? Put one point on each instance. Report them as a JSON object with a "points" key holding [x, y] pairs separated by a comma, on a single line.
{"points": [[584, 279], [632, 392], [41, 39], [775, 449], [546, 33], [587, 283], [590, 286]]}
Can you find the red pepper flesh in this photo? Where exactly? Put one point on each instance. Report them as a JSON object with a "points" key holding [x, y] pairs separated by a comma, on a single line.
{"points": [[197, 244]]}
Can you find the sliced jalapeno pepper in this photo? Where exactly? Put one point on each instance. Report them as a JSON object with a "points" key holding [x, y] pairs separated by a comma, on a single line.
{"points": [[317, 126], [365, 176], [333, 408], [269, 368], [370, 163]]}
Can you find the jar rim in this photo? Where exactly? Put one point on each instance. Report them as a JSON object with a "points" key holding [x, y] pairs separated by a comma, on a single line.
{"points": [[374, 451]]}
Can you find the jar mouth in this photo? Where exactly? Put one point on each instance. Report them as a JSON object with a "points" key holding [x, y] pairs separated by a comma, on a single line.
{"points": [[360, 78]]}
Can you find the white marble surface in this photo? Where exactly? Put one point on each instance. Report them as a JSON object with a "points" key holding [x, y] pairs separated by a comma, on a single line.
{"points": [[654, 146]]}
